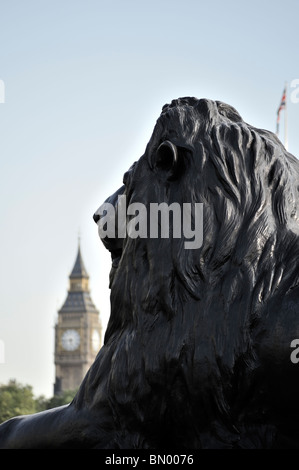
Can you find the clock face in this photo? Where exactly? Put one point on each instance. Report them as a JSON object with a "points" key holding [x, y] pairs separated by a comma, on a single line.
{"points": [[95, 340], [70, 340]]}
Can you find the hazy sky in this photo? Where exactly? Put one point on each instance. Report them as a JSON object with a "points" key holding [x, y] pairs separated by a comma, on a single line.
{"points": [[85, 81]]}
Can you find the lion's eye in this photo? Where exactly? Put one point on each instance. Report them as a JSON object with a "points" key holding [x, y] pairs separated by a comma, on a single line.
{"points": [[167, 156]]}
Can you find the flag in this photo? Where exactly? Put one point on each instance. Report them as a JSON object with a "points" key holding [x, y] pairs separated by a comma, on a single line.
{"points": [[281, 106]]}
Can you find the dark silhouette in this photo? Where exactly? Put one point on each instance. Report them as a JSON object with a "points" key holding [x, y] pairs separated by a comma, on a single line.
{"points": [[197, 352]]}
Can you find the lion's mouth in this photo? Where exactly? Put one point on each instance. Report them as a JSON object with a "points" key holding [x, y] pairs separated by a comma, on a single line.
{"points": [[114, 245]]}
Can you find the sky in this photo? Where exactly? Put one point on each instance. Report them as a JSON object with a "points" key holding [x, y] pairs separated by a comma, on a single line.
{"points": [[84, 83]]}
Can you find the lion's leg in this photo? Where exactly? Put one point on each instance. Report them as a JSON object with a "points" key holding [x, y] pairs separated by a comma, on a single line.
{"points": [[61, 427]]}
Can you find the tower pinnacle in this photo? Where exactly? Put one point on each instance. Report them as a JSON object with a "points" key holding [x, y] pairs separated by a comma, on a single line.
{"points": [[78, 331]]}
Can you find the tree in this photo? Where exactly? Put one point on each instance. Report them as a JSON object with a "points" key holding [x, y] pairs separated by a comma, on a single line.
{"points": [[64, 398], [15, 400]]}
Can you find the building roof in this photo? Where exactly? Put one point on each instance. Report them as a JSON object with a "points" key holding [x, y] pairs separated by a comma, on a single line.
{"points": [[79, 270], [78, 302], [78, 299]]}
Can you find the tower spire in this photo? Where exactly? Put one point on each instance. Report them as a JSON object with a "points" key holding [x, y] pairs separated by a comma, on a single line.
{"points": [[79, 270], [79, 237]]}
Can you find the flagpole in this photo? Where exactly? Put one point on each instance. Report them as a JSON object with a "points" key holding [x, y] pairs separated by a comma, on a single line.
{"points": [[286, 119]]}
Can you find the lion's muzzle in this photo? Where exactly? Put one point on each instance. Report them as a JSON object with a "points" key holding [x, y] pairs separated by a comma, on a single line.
{"points": [[103, 215]]}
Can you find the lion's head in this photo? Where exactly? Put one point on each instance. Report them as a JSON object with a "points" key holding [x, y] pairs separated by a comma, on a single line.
{"points": [[203, 334]]}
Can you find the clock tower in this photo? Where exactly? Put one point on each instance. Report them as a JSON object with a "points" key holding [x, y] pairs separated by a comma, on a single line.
{"points": [[78, 332]]}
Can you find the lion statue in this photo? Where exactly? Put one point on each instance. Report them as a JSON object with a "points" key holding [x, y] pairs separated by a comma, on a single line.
{"points": [[197, 351]]}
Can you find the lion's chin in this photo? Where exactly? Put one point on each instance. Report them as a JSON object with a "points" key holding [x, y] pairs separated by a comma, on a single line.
{"points": [[115, 256], [112, 276]]}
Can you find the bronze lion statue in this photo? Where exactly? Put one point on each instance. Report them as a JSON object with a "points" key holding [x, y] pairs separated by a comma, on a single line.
{"points": [[197, 352]]}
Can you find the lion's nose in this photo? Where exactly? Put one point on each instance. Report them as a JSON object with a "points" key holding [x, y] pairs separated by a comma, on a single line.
{"points": [[96, 217]]}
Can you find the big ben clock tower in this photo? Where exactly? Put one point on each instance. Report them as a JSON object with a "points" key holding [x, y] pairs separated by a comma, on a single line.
{"points": [[78, 331]]}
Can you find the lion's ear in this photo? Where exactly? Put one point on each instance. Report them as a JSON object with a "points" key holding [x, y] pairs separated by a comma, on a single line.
{"points": [[167, 160]]}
